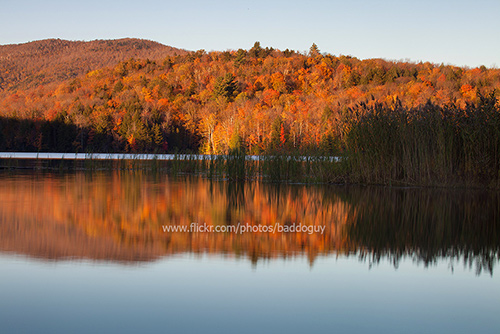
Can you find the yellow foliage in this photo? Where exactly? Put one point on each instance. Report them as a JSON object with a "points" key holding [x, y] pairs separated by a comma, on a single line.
{"points": [[94, 73]]}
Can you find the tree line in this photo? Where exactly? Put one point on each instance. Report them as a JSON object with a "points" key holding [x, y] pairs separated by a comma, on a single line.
{"points": [[259, 101]]}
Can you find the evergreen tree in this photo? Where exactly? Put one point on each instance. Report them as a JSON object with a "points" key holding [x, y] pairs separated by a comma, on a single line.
{"points": [[314, 50], [256, 50], [226, 86], [240, 58]]}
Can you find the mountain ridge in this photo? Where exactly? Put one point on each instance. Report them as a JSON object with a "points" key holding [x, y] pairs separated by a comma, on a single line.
{"points": [[41, 62]]}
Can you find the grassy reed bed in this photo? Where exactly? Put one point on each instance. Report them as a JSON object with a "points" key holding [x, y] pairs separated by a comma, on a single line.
{"points": [[428, 145], [234, 166], [302, 169]]}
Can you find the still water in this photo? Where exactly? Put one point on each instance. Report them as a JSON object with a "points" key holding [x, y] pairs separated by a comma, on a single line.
{"points": [[85, 252]]}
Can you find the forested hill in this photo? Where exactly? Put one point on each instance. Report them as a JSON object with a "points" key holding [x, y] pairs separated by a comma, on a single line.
{"points": [[258, 99], [41, 62]]}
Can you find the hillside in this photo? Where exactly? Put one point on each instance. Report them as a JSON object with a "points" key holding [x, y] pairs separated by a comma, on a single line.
{"points": [[413, 122], [258, 99], [41, 62]]}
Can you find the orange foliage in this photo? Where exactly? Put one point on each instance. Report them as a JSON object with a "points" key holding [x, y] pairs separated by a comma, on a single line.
{"points": [[269, 96], [174, 96], [468, 91]]}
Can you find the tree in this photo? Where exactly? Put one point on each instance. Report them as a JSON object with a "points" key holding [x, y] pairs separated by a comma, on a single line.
{"points": [[157, 135], [314, 50], [226, 86], [256, 50], [282, 136], [240, 58]]}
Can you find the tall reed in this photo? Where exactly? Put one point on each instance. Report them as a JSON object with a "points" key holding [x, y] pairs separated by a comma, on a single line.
{"points": [[428, 145]]}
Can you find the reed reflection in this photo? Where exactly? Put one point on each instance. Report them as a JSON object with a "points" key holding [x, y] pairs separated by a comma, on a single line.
{"points": [[119, 216], [426, 225]]}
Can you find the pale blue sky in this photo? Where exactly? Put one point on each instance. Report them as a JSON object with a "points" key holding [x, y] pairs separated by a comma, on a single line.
{"points": [[441, 31]]}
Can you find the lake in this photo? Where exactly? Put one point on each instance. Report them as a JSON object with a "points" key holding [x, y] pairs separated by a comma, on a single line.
{"points": [[137, 251]]}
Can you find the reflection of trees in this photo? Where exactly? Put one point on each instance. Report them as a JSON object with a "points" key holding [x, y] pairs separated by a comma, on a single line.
{"points": [[127, 210], [427, 225], [119, 216]]}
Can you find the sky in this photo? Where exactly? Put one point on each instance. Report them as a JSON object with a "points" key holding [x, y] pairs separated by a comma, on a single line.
{"points": [[457, 32]]}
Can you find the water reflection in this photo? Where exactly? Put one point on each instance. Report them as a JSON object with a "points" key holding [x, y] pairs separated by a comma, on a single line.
{"points": [[427, 225], [118, 216]]}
